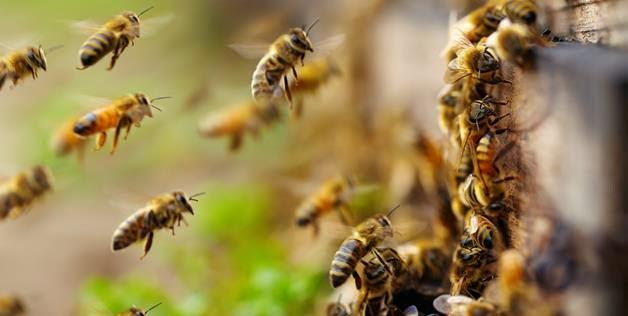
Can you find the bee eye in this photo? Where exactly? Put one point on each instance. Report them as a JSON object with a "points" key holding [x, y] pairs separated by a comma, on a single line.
{"points": [[295, 39], [487, 240]]}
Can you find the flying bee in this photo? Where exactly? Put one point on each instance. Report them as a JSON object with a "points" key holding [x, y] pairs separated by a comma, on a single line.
{"points": [[18, 65], [11, 305], [312, 76], [163, 211], [121, 113], [23, 189], [427, 263], [364, 238], [377, 280], [247, 117], [334, 194], [134, 311], [64, 141], [282, 56], [114, 36]]}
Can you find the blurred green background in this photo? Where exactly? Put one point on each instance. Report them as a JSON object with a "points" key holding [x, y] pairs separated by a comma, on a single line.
{"points": [[241, 254]]}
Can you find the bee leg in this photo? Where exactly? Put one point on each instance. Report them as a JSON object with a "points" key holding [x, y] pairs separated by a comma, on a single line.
{"points": [[122, 44], [236, 142], [3, 77], [294, 73], [172, 229], [100, 140], [358, 281], [128, 130], [497, 119], [344, 213], [147, 244], [287, 89], [116, 136]]}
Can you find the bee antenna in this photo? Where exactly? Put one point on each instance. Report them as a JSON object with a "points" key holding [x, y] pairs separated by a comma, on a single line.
{"points": [[192, 197], [146, 10], [159, 98], [53, 48], [312, 25], [148, 310], [393, 210]]}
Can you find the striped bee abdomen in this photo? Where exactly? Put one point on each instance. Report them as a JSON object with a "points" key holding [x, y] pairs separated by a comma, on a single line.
{"points": [[96, 47], [133, 229], [345, 260]]}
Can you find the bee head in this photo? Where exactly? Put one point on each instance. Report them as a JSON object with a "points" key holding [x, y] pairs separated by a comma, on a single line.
{"points": [[36, 57], [134, 19], [469, 256], [145, 104], [183, 201], [300, 40], [385, 225], [487, 62], [479, 111]]}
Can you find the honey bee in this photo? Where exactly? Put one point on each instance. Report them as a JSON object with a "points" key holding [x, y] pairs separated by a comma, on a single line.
{"points": [[364, 238], [134, 311], [467, 271], [460, 305], [23, 189], [121, 113], [477, 63], [473, 264], [64, 141], [513, 42], [427, 263], [376, 283], [163, 211], [311, 76], [334, 194], [448, 107], [11, 305], [238, 120], [486, 186], [18, 65], [283, 55], [114, 36]]}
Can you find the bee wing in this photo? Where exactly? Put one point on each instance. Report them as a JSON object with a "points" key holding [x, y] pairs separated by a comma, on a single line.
{"points": [[445, 303], [455, 71], [250, 51], [150, 27], [411, 311], [19, 43], [330, 43], [88, 102], [85, 27]]}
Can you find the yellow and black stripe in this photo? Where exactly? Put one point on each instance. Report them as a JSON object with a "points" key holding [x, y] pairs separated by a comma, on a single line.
{"points": [[133, 229], [346, 259], [96, 47]]}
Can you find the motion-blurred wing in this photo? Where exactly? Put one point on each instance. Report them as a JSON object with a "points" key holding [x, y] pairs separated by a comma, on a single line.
{"points": [[250, 51], [152, 26]]}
